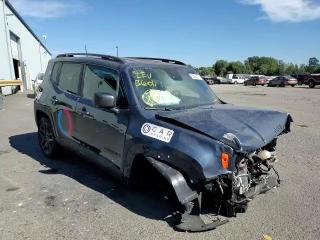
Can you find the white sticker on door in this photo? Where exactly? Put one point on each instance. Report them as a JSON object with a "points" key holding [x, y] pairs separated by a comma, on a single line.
{"points": [[157, 132]]}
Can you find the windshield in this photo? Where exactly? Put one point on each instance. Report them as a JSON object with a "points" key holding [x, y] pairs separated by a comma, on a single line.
{"points": [[171, 87]]}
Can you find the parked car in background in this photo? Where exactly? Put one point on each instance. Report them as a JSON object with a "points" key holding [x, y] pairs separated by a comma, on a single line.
{"points": [[209, 80], [312, 80], [222, 80], [37, 81], [301, 78], [269, 78], [256, 80], [283, 81], [237, 79]]}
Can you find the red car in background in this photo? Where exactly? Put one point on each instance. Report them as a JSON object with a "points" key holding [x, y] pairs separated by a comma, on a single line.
{"points": [[256, 80]]}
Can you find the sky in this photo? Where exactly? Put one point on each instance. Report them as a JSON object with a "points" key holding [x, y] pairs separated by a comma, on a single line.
{"points": [[196, 32]]}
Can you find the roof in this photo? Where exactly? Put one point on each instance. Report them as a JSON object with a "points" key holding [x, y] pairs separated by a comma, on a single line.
{"points": [[25, 24], [120, 60]]}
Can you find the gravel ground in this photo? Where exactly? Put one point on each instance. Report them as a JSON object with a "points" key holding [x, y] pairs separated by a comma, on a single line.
{"points": [[70, 199]]}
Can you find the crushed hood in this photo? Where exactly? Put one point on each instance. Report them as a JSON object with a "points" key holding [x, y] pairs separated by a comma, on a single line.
{"points": [[242, 128]]}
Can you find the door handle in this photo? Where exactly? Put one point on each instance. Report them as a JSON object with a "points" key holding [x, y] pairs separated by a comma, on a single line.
{"points": [[54, 100]]}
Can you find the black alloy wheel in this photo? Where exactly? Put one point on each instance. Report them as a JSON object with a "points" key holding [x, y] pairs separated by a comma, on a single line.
{"points": [[46, 138]]}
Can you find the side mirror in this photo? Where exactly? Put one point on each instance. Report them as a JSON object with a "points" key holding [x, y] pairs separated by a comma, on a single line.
{"points": [[104, 100]]}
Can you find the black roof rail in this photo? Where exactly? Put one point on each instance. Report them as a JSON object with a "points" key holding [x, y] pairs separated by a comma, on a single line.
{"points": [[102, 56], [159, 59]]}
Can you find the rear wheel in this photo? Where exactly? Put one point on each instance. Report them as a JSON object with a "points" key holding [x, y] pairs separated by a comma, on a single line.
{"points": [[47, 140], [293, 85], [312, 84]]}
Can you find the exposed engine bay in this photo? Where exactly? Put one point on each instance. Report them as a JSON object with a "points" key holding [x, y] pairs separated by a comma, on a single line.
{"points": [[230, 194]]}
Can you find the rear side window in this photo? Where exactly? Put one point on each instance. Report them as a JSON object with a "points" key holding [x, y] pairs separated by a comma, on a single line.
{"points": [[55, 71], [99, 79], [69, 77]]}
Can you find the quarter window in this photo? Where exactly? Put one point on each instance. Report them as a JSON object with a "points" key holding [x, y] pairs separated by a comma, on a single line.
{"points": [[99, 79], [69, 77], [55, 71]]}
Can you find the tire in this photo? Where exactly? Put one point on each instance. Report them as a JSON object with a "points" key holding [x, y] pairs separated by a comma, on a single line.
{"points": [[269, 85], [293, 85], [300, 83], [254, 84], [245, 84], [312, 84], [282, 85], [262, 85], [47, 140]]}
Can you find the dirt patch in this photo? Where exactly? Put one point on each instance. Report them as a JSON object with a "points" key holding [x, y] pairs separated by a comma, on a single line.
{"points": [[50, 201], [302, 125], [4, 152], [255, 94], [11, 189]]}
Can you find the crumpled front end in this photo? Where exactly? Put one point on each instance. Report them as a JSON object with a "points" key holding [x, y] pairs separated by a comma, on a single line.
{"points": [[229, 194], [237, 159]]}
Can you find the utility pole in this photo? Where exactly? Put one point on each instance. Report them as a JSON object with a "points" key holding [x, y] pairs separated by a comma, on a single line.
{"points": [[117, 51]]}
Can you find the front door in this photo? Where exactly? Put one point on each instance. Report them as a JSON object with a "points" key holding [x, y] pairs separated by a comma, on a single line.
{"points": [[101, 130]]}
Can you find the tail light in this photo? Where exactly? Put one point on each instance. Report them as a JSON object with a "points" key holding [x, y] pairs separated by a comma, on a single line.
{"points": [[224, 158]]}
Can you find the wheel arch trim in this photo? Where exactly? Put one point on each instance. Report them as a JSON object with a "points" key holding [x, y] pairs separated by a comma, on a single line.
{"points": [[176, 180]]}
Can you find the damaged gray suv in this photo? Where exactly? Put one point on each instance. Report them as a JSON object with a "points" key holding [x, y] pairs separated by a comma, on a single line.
{"points": [[128, 113]]}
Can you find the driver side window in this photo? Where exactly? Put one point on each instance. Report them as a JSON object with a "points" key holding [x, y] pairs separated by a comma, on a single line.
{"points": [[99, 79]]}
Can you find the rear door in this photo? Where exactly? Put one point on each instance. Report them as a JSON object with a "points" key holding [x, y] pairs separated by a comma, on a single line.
{"points": [[65, 98], [102, 130]]}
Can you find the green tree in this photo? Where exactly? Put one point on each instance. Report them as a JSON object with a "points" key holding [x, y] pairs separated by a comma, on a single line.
{"points": [[220, 67], [291, 69], [236, 67], [206, 71], [247, 66], [302, 68], [254, 64], [313, 62], [281, 69]]}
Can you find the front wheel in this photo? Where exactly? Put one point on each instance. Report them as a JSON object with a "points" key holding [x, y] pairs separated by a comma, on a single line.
{"points": [[47, 140], [312, 84]]}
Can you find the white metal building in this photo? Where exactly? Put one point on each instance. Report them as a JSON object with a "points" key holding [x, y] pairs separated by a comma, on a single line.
{"points": [[22, 54]]}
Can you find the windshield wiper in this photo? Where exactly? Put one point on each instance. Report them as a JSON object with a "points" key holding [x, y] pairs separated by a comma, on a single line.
{"points": [[157, 108]]}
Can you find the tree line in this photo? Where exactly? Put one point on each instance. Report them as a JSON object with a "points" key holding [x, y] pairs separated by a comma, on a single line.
{"points": [[260, 66]]}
